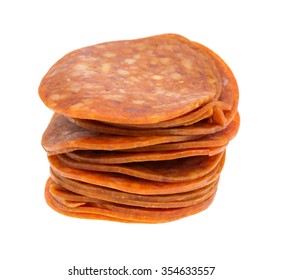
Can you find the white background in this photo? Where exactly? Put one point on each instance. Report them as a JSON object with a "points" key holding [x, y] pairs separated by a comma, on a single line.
{"points": [[240, 234]]}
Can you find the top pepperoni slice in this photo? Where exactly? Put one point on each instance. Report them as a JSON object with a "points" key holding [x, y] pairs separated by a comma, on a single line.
{"points": [[139, 81]]}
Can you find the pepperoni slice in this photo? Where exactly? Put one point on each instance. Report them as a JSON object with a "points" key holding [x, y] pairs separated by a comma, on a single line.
{"points": [[131, 184], [63, 136], [99, 209], [84, 192], [139, 81], [178, 170], [140, 129]]}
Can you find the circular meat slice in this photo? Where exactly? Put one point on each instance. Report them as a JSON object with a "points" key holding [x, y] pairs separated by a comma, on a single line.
{"points": [[230, 90], [130, 184], [217, 139], [130, 130], [221, 111], [87, 192], [116, 157], [116, 212], [139, 81], [56, 206], [63, 136], [178, 170]]}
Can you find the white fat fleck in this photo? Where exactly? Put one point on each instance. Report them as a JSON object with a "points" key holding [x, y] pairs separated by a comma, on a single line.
{"points": [[74, 87], [109, 54], [81, 67], [138, 102], [176, 76], [172, 94], [141, 47], [56, 97], [186, 90], [87, 101], [134, 79], [100, 46], [53, 72], [183, 101], [91, 59], [165, 60], [154, 61], [90, 87], [76, 106], [160, 90], [122, 72], [157, 77], [105, 68], [81, 57], [114, 97], [187, 63], [225, 82], [130, 61]]}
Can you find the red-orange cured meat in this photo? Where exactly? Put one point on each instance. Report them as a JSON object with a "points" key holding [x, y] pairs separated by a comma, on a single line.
{"points": [[178, 170], [226, 101], [124, 81], [115, 157], [130, 184], [187, 119], [88, 192], [217, 139], [140, 129], [62, 136], [208, 145], [117, 212]]}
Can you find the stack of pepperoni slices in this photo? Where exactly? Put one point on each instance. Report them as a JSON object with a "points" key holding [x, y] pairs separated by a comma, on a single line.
{"points": [[139, 130]]}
